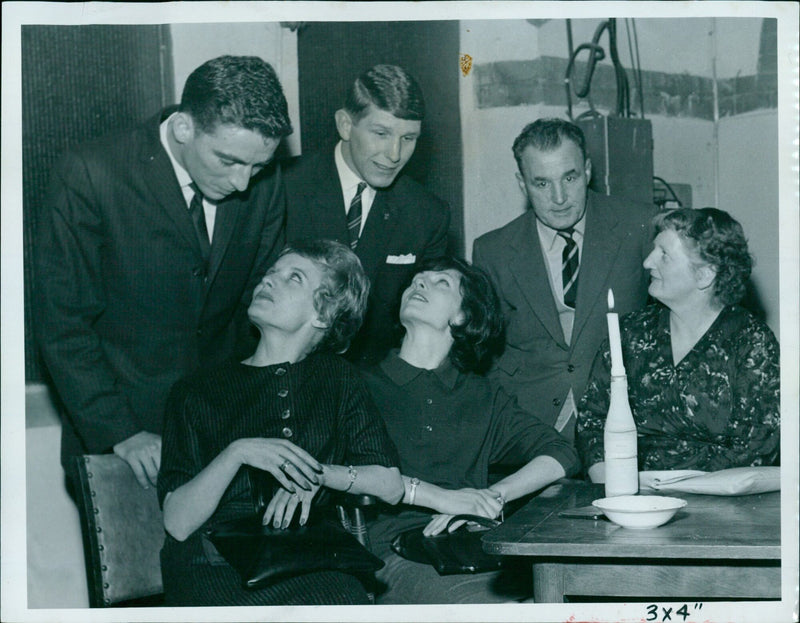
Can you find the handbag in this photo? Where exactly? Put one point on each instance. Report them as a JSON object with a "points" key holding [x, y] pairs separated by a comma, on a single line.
{"points": [[263, 555], [450, 553]]}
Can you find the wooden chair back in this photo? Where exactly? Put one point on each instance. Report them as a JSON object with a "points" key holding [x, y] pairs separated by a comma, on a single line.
{"points": [[123, 532]]}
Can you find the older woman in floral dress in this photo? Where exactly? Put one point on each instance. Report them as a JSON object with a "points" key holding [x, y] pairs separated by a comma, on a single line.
{"points": [[703, 373]]}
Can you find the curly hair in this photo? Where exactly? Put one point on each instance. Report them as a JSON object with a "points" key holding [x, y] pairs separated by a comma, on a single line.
{"points": [[481, 336], [389, 88], [718, 239], [546, 135], [243, 91], [341, 298]]}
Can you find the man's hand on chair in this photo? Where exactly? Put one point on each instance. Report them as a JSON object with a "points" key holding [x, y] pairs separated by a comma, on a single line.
{"points": [[143, 453]]}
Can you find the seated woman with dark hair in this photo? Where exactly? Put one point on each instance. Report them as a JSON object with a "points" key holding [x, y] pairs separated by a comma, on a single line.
{"points": [[703, 373], [292, 410], [449, 425]]}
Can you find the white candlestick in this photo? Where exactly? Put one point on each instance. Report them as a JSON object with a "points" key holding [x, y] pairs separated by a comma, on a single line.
{"points": [[615, 343]]}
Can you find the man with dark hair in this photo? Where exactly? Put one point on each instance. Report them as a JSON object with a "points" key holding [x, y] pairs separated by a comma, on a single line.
{"points": [[355, 193], [149, 246], [573, 244]]}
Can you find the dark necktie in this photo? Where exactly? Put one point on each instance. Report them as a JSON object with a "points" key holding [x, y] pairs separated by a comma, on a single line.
{"points": [[354, 216], [569, 267], [199, 220]]}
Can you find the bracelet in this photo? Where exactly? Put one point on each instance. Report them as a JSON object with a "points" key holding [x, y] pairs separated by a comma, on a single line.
{"points": [[353, 473], [413, 493]]}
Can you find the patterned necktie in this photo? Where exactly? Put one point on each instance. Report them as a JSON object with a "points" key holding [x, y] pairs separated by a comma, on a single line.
{"points": [[354, 216], [199, 219], [569, 267]]}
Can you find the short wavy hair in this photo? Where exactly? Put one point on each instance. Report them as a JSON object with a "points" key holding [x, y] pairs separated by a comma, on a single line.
{"points": [[547, 134], [389, 88], [718, 239], [481, 336], [341, 298], [243, 91]]}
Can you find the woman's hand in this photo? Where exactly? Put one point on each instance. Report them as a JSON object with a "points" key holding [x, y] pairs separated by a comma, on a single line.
{"points": [[288, 463], [438, 524], [282, 506], [483, 502]]}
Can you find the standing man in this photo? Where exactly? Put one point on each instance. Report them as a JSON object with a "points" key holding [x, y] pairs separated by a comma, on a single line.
{"points": [[553, 267], [355, 193], [149, 247]]}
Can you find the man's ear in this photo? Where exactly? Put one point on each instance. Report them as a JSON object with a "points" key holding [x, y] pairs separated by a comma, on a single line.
{"points": [[521, 182], [344, 123], [587, 169], [182, 127]]}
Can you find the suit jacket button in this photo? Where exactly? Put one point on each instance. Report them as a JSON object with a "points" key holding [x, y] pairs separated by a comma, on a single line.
{"points": [[283, 393], [286, 414], [570, 368], [556, 402], [280, 371], [287, 432]]}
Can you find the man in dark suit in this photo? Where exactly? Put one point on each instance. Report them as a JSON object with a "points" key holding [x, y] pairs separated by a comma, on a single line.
{"points": [[553, 267], [149, 247], [355, 193]]}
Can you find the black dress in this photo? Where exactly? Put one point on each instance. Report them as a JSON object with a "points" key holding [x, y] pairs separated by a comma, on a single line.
{"points": [[319, 404]]}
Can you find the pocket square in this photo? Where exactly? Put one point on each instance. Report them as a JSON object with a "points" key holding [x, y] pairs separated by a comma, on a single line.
{"points": [[408, 258]]}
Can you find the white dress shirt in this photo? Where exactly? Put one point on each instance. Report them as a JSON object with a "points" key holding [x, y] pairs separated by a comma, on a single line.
{"points": [[209, 208], [350, 181]]}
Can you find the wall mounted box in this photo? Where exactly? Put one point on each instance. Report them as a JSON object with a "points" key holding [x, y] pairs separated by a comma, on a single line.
{"points": [[621, 151]]}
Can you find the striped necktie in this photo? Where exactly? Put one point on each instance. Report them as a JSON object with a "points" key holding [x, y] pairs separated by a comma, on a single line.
{"points": [[354, 216], [199, 220], [569, 267]]}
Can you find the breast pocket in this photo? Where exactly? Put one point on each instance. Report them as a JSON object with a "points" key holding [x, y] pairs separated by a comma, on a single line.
{"points": [[390, 282]]}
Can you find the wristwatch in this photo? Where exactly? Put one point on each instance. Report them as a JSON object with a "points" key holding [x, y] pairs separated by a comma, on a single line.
{"points": [[414, 482]]}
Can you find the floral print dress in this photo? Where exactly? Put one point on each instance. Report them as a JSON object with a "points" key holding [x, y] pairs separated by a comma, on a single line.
{"points": [[719, 407]]}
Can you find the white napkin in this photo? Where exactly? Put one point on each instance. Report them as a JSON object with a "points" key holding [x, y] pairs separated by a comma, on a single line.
{"points": [[734, 481]]}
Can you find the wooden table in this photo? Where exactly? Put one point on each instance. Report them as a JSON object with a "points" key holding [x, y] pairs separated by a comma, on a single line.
{"points": [[715, 547]]}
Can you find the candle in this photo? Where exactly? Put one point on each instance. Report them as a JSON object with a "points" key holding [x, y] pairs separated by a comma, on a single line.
{"points": [[615, 343]]}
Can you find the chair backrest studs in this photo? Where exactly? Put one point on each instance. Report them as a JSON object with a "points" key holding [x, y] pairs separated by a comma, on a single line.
{"points": [[122, 555]]}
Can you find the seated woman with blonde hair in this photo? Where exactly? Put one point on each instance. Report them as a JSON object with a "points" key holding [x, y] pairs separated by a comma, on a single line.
{"points": [[294, 413], [703, 373]]}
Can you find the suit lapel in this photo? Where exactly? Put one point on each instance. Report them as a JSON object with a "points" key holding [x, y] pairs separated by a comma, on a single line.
{"points": [[228, 213], [327, 214], [600, 249], [529, 271], [159, 177], [329, 218], [374, 241]]}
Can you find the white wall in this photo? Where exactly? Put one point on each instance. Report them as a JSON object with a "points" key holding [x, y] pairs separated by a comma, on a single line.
{"points": [[194, 44], [685, 148], [748, 175], [668, 44], [56, 570]]}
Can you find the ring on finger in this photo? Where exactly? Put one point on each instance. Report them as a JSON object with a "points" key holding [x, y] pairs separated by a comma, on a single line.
{"points": [[285, 465]]}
